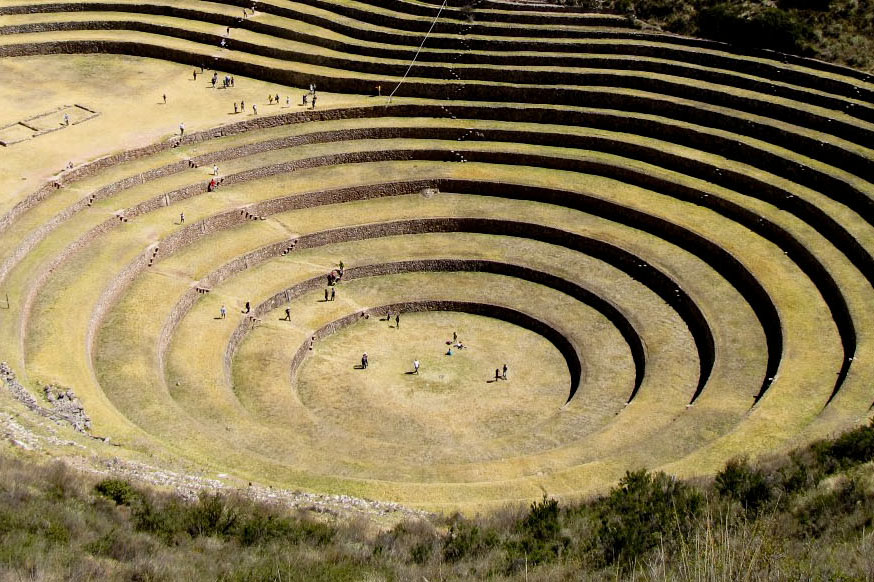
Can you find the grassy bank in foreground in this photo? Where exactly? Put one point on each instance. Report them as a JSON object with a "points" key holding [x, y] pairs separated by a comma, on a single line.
{"points": [[806, 516]]}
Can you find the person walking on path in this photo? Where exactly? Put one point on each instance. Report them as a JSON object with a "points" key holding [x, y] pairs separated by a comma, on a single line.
{"points": [[504, 375], [364, 361], [416, 367], [454, 337], [181, 218], [215, 170], [235, 107], [181, 129], [326, 293], [314, 102], [66, 119], [223, 312], [247, 308], [287, 314], [497, 374], [398, 321], [333, 293], [254, 109], [165, 98]]}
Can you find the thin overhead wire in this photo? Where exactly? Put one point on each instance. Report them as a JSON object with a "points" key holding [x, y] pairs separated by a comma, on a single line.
{"points": [[416, 56]]}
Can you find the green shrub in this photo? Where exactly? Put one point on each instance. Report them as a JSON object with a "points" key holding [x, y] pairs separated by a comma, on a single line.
{"points": [[421, 553], [804, 4], [846, 502], [742, 483], [260, 528], [117, 490], [165, 520], [212, 515], [465, 539], [539, 538], [642, 511], [770, 28], [853, 447]]}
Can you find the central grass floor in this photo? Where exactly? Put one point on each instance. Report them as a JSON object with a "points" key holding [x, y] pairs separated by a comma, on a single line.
{"points": [[454, 400]]}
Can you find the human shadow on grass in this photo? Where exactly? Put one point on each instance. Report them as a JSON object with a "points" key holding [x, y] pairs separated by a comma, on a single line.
{"points": [[358, 367]]}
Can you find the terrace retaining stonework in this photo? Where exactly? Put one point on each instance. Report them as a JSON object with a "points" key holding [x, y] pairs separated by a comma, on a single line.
{"points": [[64, 406]]}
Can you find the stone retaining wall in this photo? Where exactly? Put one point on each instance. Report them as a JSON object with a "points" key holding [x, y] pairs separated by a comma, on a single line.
{"points": [[671, 104], [607, 309]]}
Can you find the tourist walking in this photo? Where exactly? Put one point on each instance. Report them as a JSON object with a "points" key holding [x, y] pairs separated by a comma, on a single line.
{"points": [[181, 218], [287, 314], [181, 129], [333, 293], [416, 367], [364, 361], [504, 374], [398, 321], [223, 311]]}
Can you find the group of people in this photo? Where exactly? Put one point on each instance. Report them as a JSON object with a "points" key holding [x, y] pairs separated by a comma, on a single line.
{"points": [[501, 374], [213, 184], [454, 343], [311, 96]]}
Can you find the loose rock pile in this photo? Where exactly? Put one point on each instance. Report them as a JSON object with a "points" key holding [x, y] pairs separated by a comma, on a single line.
{"points": [[65, 406]]}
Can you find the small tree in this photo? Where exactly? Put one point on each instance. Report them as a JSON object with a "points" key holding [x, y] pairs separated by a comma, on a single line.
{"points": [[643, 510]]}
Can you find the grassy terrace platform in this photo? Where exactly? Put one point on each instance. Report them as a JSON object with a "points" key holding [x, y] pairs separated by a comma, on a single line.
{"points": [[668, 240]]}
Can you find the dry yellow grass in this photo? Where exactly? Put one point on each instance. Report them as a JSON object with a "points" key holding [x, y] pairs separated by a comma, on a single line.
{"points": [[445, 439]]}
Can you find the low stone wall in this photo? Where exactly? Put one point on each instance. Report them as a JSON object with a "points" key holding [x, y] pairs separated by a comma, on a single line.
{"points": [[727, 178], [728, 266], [607, 309], [840, 190], [670, 104], [64, 406]]}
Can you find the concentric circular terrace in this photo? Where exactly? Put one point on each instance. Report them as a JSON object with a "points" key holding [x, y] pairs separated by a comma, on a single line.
{"points": [[669, 242]]}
